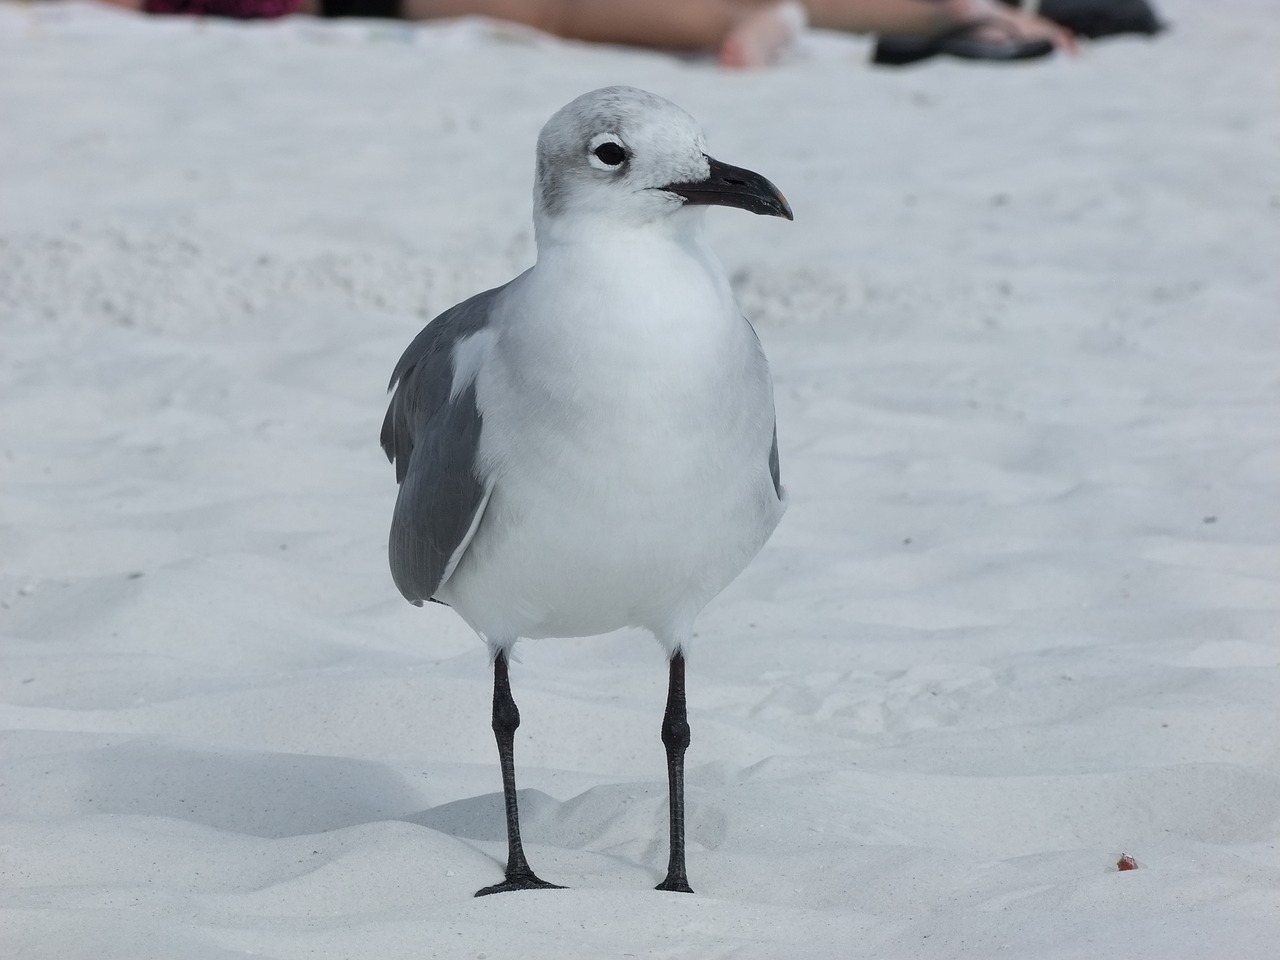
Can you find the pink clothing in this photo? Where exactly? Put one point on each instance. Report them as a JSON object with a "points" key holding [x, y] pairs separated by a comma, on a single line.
{"points": [[239, 9]]}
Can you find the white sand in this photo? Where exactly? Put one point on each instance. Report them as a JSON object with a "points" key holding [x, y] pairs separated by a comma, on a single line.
{"points": [[1022, 617]]}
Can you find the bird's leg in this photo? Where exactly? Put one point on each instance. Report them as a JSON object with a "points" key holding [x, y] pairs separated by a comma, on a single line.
{"points": [[506, 718], [675, 737]]}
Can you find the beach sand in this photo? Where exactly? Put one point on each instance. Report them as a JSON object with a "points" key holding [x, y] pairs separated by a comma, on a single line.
{"points": [[1022, 617]]}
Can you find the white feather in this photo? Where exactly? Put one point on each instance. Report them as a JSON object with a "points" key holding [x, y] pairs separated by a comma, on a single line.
{"points": [[627, 419]]}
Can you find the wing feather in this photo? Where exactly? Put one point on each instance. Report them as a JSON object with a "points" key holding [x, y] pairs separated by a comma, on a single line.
{"points": [[432, 434]]}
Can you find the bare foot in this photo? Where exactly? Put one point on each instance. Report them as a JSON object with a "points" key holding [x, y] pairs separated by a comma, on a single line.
{"points": [[760, 37], [996, 22]]}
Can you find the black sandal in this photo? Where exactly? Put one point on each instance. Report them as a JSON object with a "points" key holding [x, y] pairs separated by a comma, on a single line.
{"points": [[1100, 18], [964, 42]]}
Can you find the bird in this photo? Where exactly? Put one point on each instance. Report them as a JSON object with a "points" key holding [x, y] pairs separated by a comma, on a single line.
{"points": [[593, 445]]}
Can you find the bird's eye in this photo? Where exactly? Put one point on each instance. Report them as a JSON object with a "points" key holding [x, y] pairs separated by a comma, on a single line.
{"points": [[611, 153]]}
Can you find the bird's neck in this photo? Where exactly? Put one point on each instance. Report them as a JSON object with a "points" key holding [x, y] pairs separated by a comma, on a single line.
{"points": [[592, 229], [627, 298], [642, 270]]}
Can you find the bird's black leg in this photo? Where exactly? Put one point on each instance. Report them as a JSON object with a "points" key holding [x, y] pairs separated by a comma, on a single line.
{"points": [[506, 718], [675, 737]]}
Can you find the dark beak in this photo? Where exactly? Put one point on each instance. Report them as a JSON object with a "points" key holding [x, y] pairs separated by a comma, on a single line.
{"points": [[729, 186]]}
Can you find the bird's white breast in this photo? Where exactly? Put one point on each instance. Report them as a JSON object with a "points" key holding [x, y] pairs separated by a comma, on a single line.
{"points": [[627, 422]]}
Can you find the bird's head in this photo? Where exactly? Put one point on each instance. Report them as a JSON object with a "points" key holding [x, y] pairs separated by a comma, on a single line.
{"points": [[631, 157]]}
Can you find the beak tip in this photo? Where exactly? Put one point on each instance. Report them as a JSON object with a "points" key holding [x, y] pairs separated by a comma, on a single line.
{"points": [[730, 186]]}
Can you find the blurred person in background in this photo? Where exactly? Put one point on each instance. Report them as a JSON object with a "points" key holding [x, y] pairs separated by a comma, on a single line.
{"points": [[742, 33]]}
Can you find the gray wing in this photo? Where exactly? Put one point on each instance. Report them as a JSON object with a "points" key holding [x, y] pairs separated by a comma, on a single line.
{"points": [[432, 438]]}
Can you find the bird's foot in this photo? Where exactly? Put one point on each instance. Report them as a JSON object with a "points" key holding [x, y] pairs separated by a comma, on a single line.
{"points": [[525, 880], [674, 884]]}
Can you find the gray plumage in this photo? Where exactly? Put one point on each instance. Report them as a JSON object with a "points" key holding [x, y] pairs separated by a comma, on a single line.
{"points": [[611, 109], [432, 438]]}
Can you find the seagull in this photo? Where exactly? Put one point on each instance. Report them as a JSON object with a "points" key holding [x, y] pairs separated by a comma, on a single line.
{"points": [[593, 445]]}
